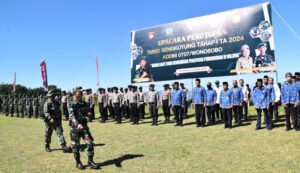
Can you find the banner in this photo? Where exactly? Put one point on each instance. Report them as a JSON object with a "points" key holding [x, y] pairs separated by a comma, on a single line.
{"points": [[44, 75], [97, 71], [234, 42], [15, 80]]}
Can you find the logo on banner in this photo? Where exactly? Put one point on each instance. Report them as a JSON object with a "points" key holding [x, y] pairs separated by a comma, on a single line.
{"points": [[151, 35]]}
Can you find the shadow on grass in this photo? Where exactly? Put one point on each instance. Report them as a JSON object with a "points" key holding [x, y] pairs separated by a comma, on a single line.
{"points": [[82, 147], [240, 125], [118, 161]]}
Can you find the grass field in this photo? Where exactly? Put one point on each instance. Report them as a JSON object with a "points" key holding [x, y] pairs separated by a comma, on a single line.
{"points": [[145, 148]]}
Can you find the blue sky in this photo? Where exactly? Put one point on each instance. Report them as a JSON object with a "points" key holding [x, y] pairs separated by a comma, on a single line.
{"points": [[69, 33]]}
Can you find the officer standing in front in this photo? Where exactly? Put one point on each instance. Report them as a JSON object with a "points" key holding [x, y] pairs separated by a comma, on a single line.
{"points": [[166, 102], [153, 104], [134, 104], [142, 103], [226, 103], [199, 103]]}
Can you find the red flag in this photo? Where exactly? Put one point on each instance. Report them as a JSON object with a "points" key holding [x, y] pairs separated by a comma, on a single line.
{"points": [[15, 80], [44, 75], [97, 71]]}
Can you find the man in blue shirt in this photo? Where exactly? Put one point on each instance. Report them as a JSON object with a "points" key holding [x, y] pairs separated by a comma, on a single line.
{"points": [[290, 100], [271, 95], [226, 103], [199, 103], [297, 75], [261, 103], [177, 101], [211, 98], [238, 98]]}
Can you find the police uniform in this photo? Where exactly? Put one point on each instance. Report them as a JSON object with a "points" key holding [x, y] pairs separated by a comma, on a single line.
{"points": [[102, 102], [89, 99], [261, 102], [117, 103], [142, 104], [134, 103], [153, 104], [199, 99], [166, 102], [110, 106]]}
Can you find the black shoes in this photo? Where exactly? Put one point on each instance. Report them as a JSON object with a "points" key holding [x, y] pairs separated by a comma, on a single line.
{"points": [[79, 165], [48, 148], [92, 164], [66, 149]]}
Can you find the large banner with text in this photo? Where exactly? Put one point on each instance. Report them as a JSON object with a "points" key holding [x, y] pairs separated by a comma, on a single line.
{"points": [[234, 42]]}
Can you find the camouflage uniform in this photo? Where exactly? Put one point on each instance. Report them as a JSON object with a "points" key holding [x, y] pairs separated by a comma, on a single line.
{"points": [[11, 106], [35, 106], [5, 106], [16, 106], [1, 101], [42, 101], [28, 103], [52, 111], [21, 106], [78, 111]]}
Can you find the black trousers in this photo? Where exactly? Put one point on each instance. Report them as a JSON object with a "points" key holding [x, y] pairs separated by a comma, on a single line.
{"points": [[200, 114], [93, 112], [142, 110], [290, 111], [270, 113], [275, 111], [237, 110], [153, 112], [117, 110], [266, 118], [65, 110], [210, 111], [135, 113], [245, 107], [103, 112], [178, 114], [185, 109], [111, 110], [166, 109], [122, 109], [218, 111], [227, 115], [127, 111]]}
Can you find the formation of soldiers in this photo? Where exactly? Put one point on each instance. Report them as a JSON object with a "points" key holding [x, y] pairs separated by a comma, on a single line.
{"points": [[218, 103]]}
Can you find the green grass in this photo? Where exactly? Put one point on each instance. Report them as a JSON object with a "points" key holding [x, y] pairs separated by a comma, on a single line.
{"points": [[144, 148]]}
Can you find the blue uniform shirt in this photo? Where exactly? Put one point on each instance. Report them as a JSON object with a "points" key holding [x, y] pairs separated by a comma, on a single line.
{"points": [[199, 95], [271, 92], [238, 95], [226, 100], [261, 97], [177, 97], [289, 93], [211, 96]]}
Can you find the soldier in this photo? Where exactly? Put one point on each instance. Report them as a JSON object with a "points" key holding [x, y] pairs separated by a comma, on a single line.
{"points": [[42, 101], [11, 106], [211, 98], [1, 102], [166, 102], [64, 105], [21, 106], [53, 122], [142, 103], [186, 99], [177, 101], [102, 102], [263, 60], [35, 106], [261, 103], [78, 123], [134, 103], [6, 106], [290, 101], [199, 103], [117, 103], [28, 106], [226, 102], [16, 105], [153, 103], [237, 99]]}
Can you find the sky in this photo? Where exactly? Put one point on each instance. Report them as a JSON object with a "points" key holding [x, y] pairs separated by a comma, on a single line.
{"points": [[68, 34]]}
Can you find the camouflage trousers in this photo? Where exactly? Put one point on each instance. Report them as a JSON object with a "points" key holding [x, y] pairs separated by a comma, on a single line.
{"points": [[21, 111], [29, 111], [16, 110], [75, 141], [59, 131], [35, 111], [11, 110]]}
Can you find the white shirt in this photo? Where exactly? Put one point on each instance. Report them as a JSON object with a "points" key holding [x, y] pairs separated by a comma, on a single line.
{"points": [[277, 92], [218, 90], [245, 92]]}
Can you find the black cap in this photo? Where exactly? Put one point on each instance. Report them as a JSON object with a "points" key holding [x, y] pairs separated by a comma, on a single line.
{"points": [[166, 85], [182, 84], [217, 82], [225, 83], [259, 80], [152, 85], [176, 83], [297, 73]]}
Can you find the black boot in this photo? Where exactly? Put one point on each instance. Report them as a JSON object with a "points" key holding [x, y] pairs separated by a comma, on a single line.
{"points": [[47, 147], [79, 164], [92, 164], [65, 149]]}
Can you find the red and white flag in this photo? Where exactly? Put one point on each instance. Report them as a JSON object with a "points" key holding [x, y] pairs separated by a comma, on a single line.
{"points": [[97, 70], [44, 75], [15, 80]]}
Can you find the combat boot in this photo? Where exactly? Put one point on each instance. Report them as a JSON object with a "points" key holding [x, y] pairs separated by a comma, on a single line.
{"points": [[48, 148], [65, 149], [92, 164], [79, 164]]}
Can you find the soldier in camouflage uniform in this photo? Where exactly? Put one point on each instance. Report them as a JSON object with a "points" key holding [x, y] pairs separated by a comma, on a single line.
{"points": [[28, 104], [16, 105], [11, 106], [35, 106], [21, 106], [5, 106], [53, 122], [42, 101], [78, 111], [1, 101]]}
